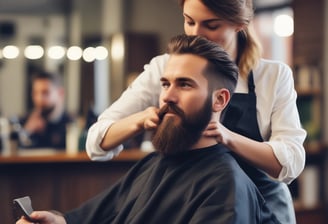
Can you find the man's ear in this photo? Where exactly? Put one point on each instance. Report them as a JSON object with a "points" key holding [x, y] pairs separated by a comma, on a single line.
{"points": [[221, 98]]}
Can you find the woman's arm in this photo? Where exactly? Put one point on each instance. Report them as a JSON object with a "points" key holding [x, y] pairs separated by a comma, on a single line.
{"points": [[129, 127], [258, 153], [141, 94], [282, 154]]}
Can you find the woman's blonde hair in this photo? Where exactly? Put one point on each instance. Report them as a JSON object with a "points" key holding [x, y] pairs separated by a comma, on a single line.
{"points": [[239, 12]]}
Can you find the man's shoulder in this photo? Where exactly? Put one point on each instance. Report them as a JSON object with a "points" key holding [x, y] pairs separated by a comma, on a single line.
{"points": [[221, 162], [219, 156]]}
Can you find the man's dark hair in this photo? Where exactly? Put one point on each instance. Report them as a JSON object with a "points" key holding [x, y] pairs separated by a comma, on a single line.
{"points": [[52, 77], [223, 71]]}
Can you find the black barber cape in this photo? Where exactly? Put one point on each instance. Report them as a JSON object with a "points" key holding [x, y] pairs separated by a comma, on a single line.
{"points": [[197, 186]]}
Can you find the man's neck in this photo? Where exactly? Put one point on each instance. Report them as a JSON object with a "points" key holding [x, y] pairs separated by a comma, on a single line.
{"points": [[204, 142]]}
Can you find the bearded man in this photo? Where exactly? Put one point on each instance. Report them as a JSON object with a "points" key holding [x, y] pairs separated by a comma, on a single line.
{"points": [[191, 178]]}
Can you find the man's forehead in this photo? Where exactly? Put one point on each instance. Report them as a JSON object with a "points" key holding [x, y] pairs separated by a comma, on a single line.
{"points": [[185, 64], [43, 84]]}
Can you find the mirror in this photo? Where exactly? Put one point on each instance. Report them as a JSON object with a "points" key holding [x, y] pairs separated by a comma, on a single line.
{"points": [[85, 24]]}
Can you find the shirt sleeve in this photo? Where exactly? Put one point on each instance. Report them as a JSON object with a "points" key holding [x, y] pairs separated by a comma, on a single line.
{"points": [[142, 93], [287, 135]]}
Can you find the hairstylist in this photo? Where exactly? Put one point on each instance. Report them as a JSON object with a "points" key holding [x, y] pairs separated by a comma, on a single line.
{"points": [[261, 126]]}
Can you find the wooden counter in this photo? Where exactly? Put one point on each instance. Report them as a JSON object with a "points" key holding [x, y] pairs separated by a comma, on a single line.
{"points": [[58, 181], [63, 157]]}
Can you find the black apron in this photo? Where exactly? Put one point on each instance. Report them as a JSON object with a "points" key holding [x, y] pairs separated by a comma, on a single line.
{"points": [[240, 117]]}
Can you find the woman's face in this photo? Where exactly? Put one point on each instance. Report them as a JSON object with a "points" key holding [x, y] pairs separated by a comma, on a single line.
{"points": [[199, 20]]}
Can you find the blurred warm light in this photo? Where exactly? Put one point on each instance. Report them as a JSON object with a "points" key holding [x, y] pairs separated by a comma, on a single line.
{"points": [[56, 52], [10, 52], [283, 25], [89, 54], [74, 53], [117, 49], [101, 53], [33, 52]]}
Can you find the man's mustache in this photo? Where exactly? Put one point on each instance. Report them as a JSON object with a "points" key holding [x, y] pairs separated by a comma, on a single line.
{"points": [[170, 108]]}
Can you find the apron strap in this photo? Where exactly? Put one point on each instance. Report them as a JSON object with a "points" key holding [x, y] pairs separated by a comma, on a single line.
{"points": [[251, 85]]}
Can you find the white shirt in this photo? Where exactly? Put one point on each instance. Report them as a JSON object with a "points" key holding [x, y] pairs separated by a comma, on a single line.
{"points": [[277, 114]]}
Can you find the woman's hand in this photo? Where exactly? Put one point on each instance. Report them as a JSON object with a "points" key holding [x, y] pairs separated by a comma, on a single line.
{"points": [[218, 131], [151, 118], [130, 126], [257, 153]]}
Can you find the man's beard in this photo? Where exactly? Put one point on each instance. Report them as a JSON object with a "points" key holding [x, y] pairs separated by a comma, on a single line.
{"points": [[47, 110], [178, 133]]}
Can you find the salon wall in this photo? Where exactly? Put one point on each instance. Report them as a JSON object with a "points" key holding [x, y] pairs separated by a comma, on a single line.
{"points": [[166, 18]]}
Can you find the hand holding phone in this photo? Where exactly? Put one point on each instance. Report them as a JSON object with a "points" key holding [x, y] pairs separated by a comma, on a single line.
{"points": [[23, 207]]}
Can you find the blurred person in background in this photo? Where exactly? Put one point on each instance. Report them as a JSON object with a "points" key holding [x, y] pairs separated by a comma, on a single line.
{"points": [[45, 124]]}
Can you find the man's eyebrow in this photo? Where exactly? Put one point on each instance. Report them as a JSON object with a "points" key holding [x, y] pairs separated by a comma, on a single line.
{"points": [[205, 21], [184, 79], [163, 79], [179, 79]]}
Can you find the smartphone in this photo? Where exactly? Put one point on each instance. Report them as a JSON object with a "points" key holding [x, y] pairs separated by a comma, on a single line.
{"points": [[23, 207]]}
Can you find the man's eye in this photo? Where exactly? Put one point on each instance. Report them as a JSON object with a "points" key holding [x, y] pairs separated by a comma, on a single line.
{"points": [[185, 85], [165, 85]]}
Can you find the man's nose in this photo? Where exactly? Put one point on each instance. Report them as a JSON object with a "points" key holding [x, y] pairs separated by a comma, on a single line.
{"points": [[170, 95]]}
